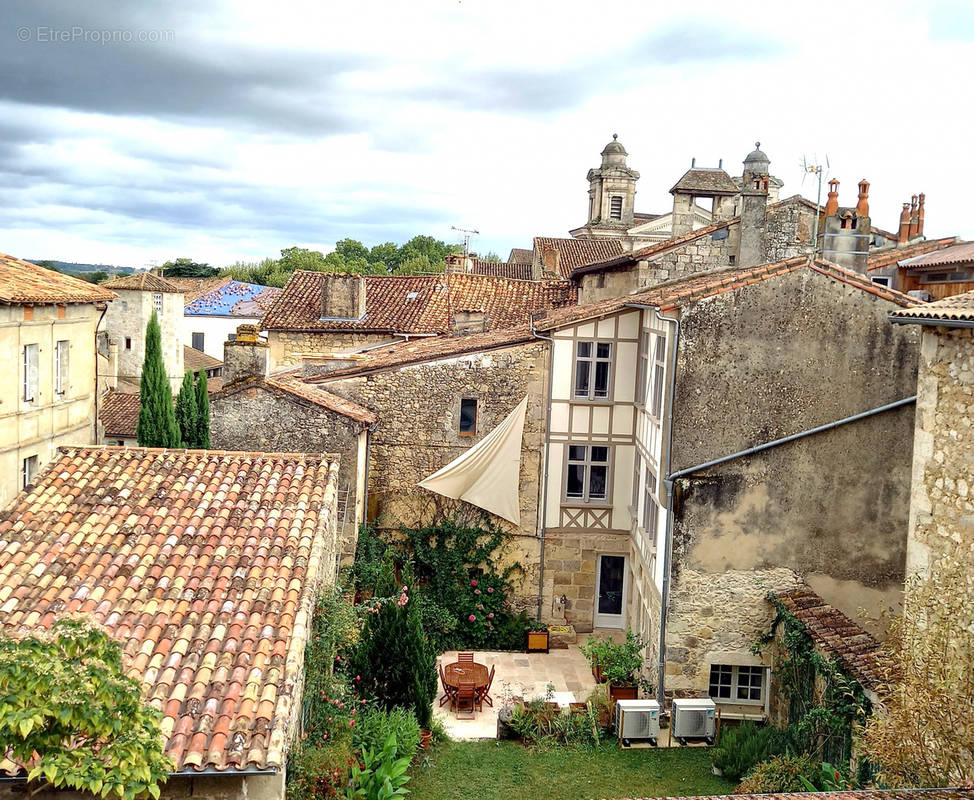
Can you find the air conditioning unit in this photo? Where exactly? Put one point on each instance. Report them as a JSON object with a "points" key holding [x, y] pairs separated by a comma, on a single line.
{"points": [[694, 719], [637, 720]]}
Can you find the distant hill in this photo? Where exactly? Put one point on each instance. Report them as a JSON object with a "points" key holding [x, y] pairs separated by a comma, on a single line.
{"points": [[73, 268]]}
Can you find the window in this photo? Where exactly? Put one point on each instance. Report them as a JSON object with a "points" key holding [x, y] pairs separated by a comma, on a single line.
{"points": [[29, 471], [615, 207], [468, 416], [635, 483], [881, 280], [588, 473], [659, 370], [29, 360], [592, 360], [198, 341], [61, 350], [650, 508], [157, 302], [128, 343], [125, 305], [642, 368], [736, 684], [732, 259]]}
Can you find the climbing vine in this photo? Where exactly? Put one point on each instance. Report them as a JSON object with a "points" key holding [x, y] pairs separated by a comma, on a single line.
{"points": [[825, 703]]}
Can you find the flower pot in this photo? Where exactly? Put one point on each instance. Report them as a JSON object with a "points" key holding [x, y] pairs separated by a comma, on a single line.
{"points": [[597, 674], [538, 641], [425, 737], [623, 691]]}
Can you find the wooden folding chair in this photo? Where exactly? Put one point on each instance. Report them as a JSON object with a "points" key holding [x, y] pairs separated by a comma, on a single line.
{"points": [[485, 690], [464, 658], [447, 689], [466, 697]]}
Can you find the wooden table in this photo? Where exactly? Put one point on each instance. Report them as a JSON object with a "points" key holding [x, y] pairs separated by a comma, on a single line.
{"points": [[466, 670]]}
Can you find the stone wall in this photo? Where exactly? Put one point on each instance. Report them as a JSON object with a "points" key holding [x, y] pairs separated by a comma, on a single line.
{"points": [[773, 359], [942, 492], [198, 787], [127, 318], [418, 408], [789, 230], [288, 348]]}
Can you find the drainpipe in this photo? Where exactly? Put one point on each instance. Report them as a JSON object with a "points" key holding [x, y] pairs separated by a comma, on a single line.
{"points": [[547, 448], [104, 310]]}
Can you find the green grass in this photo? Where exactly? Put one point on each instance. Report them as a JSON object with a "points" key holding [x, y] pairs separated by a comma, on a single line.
{"points": [[502, 770]]}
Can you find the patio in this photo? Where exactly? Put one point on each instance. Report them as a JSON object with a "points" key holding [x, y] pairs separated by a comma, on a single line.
{"points": [[522, 674]]}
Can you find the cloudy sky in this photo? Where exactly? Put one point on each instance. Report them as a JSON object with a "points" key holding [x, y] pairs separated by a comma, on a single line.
{"points": [[135, 132]]}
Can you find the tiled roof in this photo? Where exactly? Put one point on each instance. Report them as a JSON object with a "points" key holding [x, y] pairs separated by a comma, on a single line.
{"points": [[883, 258], [119, 413], [24, 283], [233, 299], [390, 308], [837, 635], [194, 288], [514, 270], [521, 255], [575, 252], [864, 794], [682, 292], [194, 360], [142, 282], [202, 564], [880, 232], [706, 181], [960, 253], [959, 307], [291, 383]]}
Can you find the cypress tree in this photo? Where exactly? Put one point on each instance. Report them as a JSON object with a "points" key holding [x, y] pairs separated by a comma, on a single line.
{"points": [[187, 413], [202, 412], [157, 425]]}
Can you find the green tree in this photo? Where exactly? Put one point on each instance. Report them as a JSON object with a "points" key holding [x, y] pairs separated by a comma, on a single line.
{"points": [[187, 268], [419, 265], [71, 718], [187, 412], [157, 425], [352, 250], [435, 250], [492, 258], [202, 412], [293, 258], [384, 258]]}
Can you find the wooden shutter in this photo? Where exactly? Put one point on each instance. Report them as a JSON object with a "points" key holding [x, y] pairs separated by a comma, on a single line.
{"points": [[30, 372], [61, 365]]}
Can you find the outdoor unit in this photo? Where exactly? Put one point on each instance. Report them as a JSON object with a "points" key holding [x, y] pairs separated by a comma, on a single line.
{"points": [[694, 719], [637, 720]]}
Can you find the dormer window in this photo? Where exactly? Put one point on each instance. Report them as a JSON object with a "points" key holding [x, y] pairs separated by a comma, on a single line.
{"points": [[615, 207]]}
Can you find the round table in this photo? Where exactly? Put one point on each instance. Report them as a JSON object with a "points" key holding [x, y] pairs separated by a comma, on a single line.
{"points": [[466, 670]]}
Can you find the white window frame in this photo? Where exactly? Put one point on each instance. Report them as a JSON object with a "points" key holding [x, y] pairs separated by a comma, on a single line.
{"points": [[157, 302], [62, 367], [636, 476], [28, 471], [642, 368], [29, 359], [650, 517], [587, 462], [733, 674], [882, 280], [655, 392], [592, 361]]}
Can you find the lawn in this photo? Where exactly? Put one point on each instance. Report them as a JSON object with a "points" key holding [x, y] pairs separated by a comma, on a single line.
{"points": [[502, 770]]}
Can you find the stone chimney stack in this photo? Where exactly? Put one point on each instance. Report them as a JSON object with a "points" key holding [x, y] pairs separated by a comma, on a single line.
{"points": [[245, 356], [456, 262], [832, 204], [914, 218], [904, 232], [552, 260], [752, 249], [920, 200], [342, 296], [862, 207]]}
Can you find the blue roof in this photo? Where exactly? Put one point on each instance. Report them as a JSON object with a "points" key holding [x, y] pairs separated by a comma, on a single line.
{"points": [[233, 299]]}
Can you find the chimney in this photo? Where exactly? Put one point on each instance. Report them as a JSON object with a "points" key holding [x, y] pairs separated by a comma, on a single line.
{"points": [[244, 355], [552, 258], [342, 296], [832, 204], [455, 262], [904, 232], [470, 320], [862, 207], [920, 214], [914, 222]]}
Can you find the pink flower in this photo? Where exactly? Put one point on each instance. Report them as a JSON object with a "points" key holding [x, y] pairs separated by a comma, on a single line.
{"points": [[473, 583], [490, 590], [405, 589], [351, 723], [358, 677], [363, 701], [490, 615], [476, 591], [471, 618]]}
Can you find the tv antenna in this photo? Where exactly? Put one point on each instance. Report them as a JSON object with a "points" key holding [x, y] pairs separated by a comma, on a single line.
{"points": [[467, 233], [819, 172]]}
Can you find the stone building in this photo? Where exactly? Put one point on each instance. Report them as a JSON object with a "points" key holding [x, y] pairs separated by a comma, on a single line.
{"points": [[318, 314], [213, 313], [942, 492], [936, 269], [138, 296], [48, 394]]}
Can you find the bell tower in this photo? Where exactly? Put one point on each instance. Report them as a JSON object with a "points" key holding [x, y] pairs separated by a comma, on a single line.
{"points": [[611, 192]]}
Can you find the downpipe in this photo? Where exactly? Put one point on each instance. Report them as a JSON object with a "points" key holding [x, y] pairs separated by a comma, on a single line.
{"points": [[544, 478]]}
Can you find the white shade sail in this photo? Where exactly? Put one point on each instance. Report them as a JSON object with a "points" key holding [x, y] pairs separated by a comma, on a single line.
{"points": [[488, 474]]}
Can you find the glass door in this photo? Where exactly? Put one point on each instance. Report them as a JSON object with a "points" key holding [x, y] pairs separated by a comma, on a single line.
{"points": [[610, 589]]}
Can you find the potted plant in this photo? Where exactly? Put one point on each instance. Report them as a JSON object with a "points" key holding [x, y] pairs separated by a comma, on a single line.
{"points": [[538, 639], [617, 664], [596, 650]]}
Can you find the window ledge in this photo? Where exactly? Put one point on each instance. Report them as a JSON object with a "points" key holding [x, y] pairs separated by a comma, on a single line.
{"points": [[583, 504]]}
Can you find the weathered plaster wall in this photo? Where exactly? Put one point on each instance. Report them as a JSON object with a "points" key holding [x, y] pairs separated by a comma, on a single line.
{"points": [[288, 348], [128, 316], [201, 787], [770, 360], [418, 408], [942, 492]]}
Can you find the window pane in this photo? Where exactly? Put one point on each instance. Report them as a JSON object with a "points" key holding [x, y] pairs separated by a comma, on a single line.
{"points": [[577, 452], [604, 350], [576, 481], [584, 350], [720, 681], [198, 341], [635, 482], [600, 454], [468, 415], [582, 370], [601, 378], [657, 391], [597, 482], [660, 348]]}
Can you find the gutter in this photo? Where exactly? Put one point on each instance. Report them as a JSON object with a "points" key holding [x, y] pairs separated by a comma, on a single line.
{"points": [[547, 449], [930, 322]]}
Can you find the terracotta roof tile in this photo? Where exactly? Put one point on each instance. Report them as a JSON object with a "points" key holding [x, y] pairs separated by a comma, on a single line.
{"points": [[292, 383], [837, 635], [710, 181], [521, 255], [575, 252], [24, 283], [865, 794], [194, 360], [417, 303], [119, 414], [142, 282], [518, 271], [884, 258], [959, 307], [960, 253], [212, 619]]}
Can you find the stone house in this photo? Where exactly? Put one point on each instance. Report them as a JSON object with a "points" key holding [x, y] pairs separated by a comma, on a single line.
{"points": [[936, 269], [48, 394], [318, 314], [214, 627], [942, 491], [212, 313]]}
